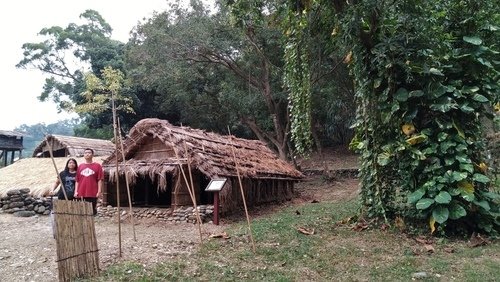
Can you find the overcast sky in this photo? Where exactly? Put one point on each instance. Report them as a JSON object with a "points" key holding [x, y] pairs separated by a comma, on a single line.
{"points": [[21, 20]]}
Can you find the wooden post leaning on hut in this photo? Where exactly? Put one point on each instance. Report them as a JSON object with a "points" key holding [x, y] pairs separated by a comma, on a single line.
{"points": [[131, 211], [193, 193], [193, 198], [55, 166], [242, 191]]}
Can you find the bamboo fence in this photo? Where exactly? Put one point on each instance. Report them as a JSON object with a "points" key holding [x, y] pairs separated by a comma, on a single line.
{"points": [[76, 241]]}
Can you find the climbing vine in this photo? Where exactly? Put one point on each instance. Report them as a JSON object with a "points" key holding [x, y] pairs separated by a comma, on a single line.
{"points": [[297, 74], [426, 78]]}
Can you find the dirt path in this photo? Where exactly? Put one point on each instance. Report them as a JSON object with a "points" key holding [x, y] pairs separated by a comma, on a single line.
{"points": [[28, 251]]}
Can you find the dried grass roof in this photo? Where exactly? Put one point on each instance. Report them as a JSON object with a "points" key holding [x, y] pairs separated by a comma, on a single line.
{"points": [[75, 146], [208, 152], [37, 174], [10, 133]]}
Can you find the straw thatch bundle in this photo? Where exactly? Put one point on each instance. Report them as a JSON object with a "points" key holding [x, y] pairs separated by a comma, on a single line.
{"points": [[37, 174], [64, 146], [155, 146]]}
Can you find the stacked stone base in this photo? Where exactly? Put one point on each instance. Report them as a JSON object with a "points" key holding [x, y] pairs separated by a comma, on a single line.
{"points": [[177, 215], [20, 203]]}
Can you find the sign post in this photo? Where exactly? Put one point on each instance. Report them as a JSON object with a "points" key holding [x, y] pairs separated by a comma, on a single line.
{"points": [[216, 186]]}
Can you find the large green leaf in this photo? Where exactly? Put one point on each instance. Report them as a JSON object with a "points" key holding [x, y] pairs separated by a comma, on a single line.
{"points": [[473, 40], [415, 196], [416, 93], [424, 203], [491, 195], [440, 213], [457, 211], [458, 176], [480, 98], [467, 167], [401, 95], [443, 197], [484, 204], [468, 196], [383, 159], [435, 72], [478, 177]]}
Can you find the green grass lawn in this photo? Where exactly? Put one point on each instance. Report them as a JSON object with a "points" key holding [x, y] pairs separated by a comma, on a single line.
{"points": [[335, 252]]}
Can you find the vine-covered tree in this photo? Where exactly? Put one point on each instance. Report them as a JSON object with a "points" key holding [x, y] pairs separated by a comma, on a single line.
{"points": [[425, 74]]}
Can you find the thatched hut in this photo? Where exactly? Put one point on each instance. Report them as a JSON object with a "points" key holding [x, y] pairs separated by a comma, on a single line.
{"points": [[157, 153], [64, 146]]}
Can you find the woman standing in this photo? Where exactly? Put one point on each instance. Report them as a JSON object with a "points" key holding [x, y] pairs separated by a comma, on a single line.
{"points": [[68, 176]]}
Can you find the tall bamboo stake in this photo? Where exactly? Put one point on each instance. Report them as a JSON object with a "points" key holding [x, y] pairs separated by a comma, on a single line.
{"points": [[126, 179], [117, 177], [193, 198], [191, 195], [242, 191], [55, 166]]}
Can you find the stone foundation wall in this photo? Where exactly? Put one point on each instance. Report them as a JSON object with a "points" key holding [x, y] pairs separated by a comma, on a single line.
{"points": [[20, 203], [178, 215]]}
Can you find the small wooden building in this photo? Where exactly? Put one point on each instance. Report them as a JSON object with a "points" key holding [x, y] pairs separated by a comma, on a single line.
{"points": [[65, 146], [10, 142], [157, 153]]}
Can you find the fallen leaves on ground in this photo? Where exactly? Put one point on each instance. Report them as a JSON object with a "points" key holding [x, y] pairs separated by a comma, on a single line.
{"points": [[222, 235], [477, 240], [361, 225], [306, 231]]}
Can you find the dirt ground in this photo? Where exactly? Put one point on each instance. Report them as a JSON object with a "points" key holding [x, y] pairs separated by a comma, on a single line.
{"points": [[28, 250]]}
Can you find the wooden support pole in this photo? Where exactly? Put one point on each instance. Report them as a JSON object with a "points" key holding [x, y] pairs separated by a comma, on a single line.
{"points": [[115, 127], [49, 145], [191, 195], [242, 192], [131, 212]]}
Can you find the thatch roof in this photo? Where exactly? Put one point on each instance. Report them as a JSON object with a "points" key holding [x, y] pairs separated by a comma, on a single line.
{"points": [[10, 133], [73, 146], [37, 174], [210, 153]]}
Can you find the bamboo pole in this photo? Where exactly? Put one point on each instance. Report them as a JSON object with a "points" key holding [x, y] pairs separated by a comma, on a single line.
{"points": [[131, 212], [242, 191], [191, 195], [117, 178], [55, 166]]}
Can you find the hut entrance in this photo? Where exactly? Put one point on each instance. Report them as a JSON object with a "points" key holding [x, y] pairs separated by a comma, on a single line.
{"points": [[206, 198], [146, 193]]}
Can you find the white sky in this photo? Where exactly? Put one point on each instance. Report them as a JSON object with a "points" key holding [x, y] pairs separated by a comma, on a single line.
{"points": [[21, 20]]}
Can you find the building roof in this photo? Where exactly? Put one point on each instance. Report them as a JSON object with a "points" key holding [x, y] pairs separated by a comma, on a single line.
{"points": [[74, 146], [10, 133], [212, 154]]}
